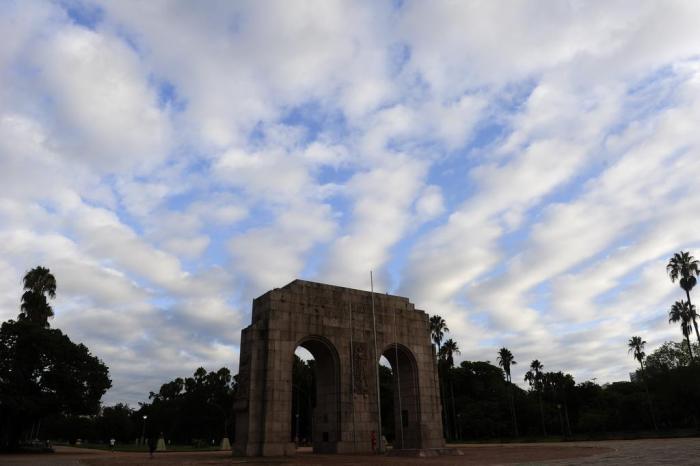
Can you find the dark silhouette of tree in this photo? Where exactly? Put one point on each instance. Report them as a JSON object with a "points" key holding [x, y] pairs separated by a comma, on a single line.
{"points": [[438, 328], [559, 384], [505, 361], [303, 398], [635, 345], [39, 285], [534, 378], [447, 352], [197, 407], [682, 312], [117, 422], [684, 268], [42, 372]]}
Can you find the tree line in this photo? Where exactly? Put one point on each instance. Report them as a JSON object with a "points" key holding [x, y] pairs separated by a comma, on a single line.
{"points": [[480, 401]]}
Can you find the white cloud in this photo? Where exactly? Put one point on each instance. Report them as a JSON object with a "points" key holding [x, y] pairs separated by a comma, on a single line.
{"points": [[523, 170], [105, 111]]}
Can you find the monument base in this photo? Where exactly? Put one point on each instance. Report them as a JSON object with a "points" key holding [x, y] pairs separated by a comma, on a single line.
{"points": [[225, 444]]}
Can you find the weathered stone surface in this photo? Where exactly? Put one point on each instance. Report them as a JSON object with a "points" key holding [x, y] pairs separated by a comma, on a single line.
{"points": [[335, 324]]}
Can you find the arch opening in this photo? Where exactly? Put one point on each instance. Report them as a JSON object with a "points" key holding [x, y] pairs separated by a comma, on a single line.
{"points": [[315, 412], [404, 425]]}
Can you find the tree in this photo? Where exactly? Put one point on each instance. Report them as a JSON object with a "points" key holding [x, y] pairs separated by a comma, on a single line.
{"points": [[42, 372], [39, 285], [438, 328], [506, 360], [684, 268], [670, 355], [117, 422], [636, 346], [534, 378], [559, 384], [682, 312], [304, 394], [197, 407], [447, 352]]}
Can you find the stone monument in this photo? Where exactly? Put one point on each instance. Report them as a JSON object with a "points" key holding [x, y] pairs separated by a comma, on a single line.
{"points": [[336, 326]]}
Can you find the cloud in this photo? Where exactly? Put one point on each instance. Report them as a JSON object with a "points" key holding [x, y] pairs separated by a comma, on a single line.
{"points": [[104, 110], [522, 170]]}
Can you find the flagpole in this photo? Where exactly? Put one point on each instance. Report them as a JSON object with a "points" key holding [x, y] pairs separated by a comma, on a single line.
{"points": [[376, 368]]}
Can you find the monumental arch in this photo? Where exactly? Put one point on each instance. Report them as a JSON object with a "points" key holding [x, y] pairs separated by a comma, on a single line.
{"points": [[335, 325]]}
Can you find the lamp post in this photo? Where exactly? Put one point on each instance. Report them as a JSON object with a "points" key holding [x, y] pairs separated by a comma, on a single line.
{"points": [[143, 431]]}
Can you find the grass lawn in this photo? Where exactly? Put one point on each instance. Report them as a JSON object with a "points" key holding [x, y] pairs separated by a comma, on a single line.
{"points": [[144, 448], [677, 433]]}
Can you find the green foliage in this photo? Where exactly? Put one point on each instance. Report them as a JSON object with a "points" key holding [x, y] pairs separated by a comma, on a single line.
{"points": [[585, 409], [670, 355], [303, 398], [42, 372], [195, 407], [39, 285], [386, 392]]}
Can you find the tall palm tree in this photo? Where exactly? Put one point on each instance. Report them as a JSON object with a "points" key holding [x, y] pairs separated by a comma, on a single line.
{"points": [[534, 378], [636, 346], [682, 312], [447, 352], [506, 360], [684, 268], [39, 286], [438, 328]]}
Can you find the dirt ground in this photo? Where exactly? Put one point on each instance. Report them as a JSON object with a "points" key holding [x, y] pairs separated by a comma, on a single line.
{"points": [[631, 452]]}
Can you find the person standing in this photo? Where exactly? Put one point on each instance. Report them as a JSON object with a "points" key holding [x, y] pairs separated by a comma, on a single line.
{"points": [[151, 446]]}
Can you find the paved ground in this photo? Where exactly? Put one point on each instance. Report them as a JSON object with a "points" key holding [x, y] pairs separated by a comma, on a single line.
{"points": [[627, 452]]}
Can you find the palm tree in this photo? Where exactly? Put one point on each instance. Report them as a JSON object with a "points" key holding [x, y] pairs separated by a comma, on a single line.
{"points": [[684, 268], [682, 312], [39, 285], [505, 360], [636, 346], [438, 328], [447, 352], [534, 378]]}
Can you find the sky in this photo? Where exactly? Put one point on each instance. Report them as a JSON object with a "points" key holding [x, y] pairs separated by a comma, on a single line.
{"points": [[523, 169]]}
